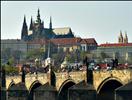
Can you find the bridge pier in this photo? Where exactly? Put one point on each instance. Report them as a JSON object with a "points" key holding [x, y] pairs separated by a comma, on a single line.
{"points": [[17, 92], [45, 92], [3, 91], [124, 92], [82, 91]]}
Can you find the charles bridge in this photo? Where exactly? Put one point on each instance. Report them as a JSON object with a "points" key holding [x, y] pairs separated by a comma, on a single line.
{"points": [[62, 78], [100, 78]]}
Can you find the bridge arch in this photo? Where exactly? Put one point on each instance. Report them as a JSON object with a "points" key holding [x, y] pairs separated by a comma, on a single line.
{"points": [[11, 84], [63, 91], [106, 80], [107, 87], [37, 82], [33, 86]]}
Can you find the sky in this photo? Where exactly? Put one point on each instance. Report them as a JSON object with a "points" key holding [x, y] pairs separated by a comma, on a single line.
{"points": [[101, 20]]}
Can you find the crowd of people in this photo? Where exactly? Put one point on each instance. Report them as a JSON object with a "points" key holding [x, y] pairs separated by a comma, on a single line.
{"points": [[90, 65], [113, 64]]}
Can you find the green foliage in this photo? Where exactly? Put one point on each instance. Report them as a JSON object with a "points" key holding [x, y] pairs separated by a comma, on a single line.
{"points": [[83, 55], [58, 58], [69, 58], [11, 61], [10, 69], [37, 53]]}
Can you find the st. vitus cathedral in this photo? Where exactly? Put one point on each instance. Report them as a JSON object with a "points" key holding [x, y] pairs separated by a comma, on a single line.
{"points": [[38, 31]]}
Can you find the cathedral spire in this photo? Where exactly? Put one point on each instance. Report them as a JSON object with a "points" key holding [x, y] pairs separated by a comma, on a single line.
{"points": [[24, 19], [120, 39], [31, 24], [24, 32], [125, 38], [38, 16], [50, 25]]}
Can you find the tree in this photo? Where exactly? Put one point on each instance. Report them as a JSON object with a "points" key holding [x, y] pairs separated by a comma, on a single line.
{"points": [[10, 69], [83, 55], [11, 61], [17, 55], [35, 53], [58, 57]]}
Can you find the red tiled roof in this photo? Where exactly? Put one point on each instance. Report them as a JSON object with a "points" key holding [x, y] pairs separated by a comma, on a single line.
{"points": [[88, 41], [66, 41], [115, 44]]}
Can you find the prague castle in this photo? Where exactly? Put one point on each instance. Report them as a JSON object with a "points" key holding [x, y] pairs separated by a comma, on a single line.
{"points": [[62, 39], [38, 31]]}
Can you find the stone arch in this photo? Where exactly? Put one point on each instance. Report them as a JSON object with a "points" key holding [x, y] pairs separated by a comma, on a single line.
{"points": [[106, 89], [11, 84], [34, 83], [106, 80], [33, 86], [63, 90]]}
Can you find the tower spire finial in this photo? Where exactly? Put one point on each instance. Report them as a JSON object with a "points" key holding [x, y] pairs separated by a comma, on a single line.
{"points": [[38, 16]]}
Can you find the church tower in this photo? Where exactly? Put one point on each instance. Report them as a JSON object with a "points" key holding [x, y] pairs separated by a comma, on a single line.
{"points": [[50, 24], [24, 32], [125, 38], [120, 38]]}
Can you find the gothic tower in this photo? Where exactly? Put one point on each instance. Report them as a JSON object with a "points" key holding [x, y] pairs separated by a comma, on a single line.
{"points": [[125, 38], [31, 24], [39, 25], [120, 38], [50, 24], [24, 32], [38, 17]]}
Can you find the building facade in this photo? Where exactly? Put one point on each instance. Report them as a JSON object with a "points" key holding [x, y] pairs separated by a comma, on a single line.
{"points": [[73, 44], [121, 50], [116, 50]]}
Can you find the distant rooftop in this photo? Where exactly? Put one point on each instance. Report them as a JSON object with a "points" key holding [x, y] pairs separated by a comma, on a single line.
{"points": [[115, 44]]}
